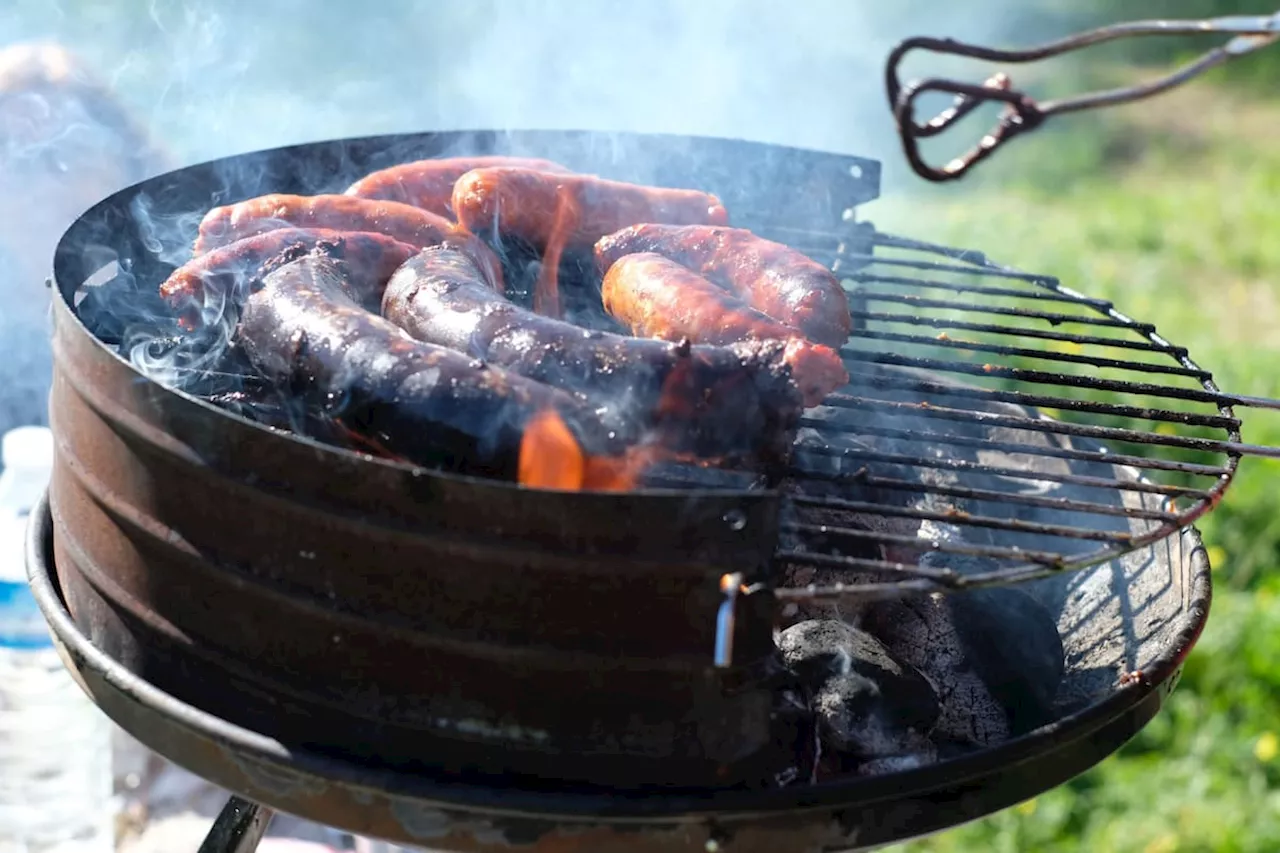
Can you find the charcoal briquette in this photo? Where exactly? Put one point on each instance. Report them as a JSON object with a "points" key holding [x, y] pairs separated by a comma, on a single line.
{"points": [[866, 701]]}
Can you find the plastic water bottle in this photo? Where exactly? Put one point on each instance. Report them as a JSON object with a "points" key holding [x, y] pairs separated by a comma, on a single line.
{"points": [[55, 745]]}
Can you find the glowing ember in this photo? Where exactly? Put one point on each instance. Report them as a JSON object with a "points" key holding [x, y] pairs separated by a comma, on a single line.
{"points": [[551, 458]]}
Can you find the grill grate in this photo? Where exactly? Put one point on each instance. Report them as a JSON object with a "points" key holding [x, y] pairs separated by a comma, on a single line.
{"points": [[992, 414]]}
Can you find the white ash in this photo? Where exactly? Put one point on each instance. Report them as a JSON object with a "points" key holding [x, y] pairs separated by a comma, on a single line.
{"points": [[921, 754], [866, 702]]}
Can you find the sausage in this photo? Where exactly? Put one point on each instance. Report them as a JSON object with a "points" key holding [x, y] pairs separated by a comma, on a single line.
{"points": [[771, 277], [709, 401], [541, 208], [214, 276], [405, 223], [428, 184], [656, 297], [301, 329]]}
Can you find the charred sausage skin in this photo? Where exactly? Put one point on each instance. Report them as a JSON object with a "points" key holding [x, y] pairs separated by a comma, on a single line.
{"points": [[541, 207], [428, 184], [656, 297], [219, 273], [408, 224], [774, 279], [302, 329]]}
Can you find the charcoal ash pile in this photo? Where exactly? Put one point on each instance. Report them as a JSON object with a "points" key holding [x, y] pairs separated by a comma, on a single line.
{"points": [[888, 684], [921, 678]]}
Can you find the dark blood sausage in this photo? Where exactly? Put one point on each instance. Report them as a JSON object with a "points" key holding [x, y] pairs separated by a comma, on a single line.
{"points": [[425, 404], [428, 184], [771, 277], [657, 298], [211, 278], [408, 224], [542, 207], [710, 401]]}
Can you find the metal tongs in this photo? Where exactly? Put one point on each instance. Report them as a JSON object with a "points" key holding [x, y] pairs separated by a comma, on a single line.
{"points": [[1022, 112]]}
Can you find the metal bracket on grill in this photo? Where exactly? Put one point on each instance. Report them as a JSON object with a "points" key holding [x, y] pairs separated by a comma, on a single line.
{"points": [[1023, 113]]}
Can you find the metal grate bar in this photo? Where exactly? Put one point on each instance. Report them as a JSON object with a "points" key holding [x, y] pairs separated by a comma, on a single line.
{"points": [[946, 576], [1004, 311], [896, 589], [1017, 331], [1023, 352], [1023, 398], [853, 563], [937, 266], [1062, 504], [992, 470], [1131, 436], [946, 546], [1106, 458], [971, 256], [926, 441], [1040, 295], [959, 517], [1119, 386]]}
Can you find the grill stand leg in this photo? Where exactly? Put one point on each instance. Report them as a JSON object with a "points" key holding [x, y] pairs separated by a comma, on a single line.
{"points": [[238, 828]]}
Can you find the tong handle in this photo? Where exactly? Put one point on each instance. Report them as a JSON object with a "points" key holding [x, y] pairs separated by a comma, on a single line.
{"points": [[1022, 112]]}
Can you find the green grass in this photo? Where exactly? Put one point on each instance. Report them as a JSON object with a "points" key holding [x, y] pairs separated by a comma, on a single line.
{"points": [[1172, 210]]}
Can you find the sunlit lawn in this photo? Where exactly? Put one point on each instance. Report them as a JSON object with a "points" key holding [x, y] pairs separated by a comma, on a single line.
{"points": [[1172, 210]]}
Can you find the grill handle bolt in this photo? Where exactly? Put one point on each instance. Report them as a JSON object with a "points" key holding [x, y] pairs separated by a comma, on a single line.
{"points": [[1022, 112], [727, 618]]}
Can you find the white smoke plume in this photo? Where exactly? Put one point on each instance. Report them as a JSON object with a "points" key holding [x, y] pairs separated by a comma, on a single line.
{"points": [[208, 79]]}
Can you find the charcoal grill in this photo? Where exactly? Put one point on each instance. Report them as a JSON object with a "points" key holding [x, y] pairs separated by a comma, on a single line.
{"points": [[410, 655]]}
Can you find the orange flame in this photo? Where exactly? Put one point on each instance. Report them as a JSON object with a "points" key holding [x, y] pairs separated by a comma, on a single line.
{"points": [[551, 458], [546, 292]]}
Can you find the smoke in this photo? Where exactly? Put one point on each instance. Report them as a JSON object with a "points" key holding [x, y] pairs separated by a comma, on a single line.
{"points": [[208, 79], [215, 78]]}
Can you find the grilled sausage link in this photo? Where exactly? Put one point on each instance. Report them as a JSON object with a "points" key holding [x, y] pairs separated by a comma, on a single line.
{"points": [[223, 272], [428, 184], [542, 207], [771, 277], [405, 223], [656, 297], [301, 329], [709, 401]]}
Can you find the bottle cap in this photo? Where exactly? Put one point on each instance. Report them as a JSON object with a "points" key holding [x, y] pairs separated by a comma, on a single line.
{"points": [[29, 447]]}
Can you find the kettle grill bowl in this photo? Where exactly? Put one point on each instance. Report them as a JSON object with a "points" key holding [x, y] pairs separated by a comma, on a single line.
{"points": [[409, 624]]}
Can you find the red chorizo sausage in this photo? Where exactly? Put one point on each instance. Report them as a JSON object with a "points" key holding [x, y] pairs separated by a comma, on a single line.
{"points": [[771, 277], [405, 223], [656, 297], [428, 184], [371, 258], [541, 207]]}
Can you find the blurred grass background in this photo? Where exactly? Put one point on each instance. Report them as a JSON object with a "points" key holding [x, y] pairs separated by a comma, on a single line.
{"points": [[1172, 209]]}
